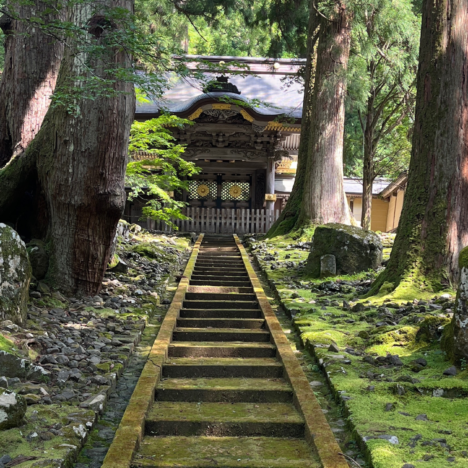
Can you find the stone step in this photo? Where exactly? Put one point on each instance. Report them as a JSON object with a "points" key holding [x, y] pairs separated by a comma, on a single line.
{"points": [[268, 368], [219, 282], [220, 419], [224, 452], [220, 304], [219, 349], [228, 277], [205, 289], [220, 334], [213, 296], [220, 323], [225, 390], [223, 268], [209, 272], [221, 313]]}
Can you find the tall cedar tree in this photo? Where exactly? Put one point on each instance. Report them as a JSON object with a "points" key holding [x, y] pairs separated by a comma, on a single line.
{"points": [[32, 62], [434, 221], [74, 168], [318, 195], [290, 214], [324, 200]]}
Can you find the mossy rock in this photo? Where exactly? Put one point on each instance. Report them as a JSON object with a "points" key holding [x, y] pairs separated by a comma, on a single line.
{"points": [[431, 328], [447, 342], [355, 249], [15, 276], [463, 258], [404, 335], [12, 409]]}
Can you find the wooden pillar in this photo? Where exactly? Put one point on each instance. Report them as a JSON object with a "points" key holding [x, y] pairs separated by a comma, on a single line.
{"points": [[270, 183]]}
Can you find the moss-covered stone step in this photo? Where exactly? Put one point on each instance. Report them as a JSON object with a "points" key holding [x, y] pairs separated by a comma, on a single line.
{"points": [[217, 349], [223, 367], [228, 304], [220, 334], [224, 452], [213, 296], [220, 282], [225, 389], [222, 419], [216, 272], [219, 270], [220, 289], [220, 323], [221, 313]]}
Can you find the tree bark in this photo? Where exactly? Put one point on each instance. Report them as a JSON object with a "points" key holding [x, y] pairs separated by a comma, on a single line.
{"points": [[32, 62], [77, 163], [324, 199], [434, 221], [368, 168], [288, 217]]}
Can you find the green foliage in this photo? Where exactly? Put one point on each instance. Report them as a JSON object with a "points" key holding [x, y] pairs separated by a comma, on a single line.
{"points": [[381, 86], [162, 171]]}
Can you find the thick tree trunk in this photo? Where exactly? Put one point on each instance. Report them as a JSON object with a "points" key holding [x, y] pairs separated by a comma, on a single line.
{"points": [[434, 221], [324, 199], [32, 61], [80, 163], [288, 217], [367, 173]]}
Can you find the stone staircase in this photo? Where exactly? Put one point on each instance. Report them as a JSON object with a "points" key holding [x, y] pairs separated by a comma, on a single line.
{"points": [[223, 400]]}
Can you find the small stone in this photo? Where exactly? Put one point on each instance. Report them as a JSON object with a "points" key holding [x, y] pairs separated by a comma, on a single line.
{"points": [[327, 266], [316, 383], [389, 407], [395, 360], [99, 379], [334, 348], [450, 371], [421, 362], [392, 439], [408, 465], [359, 307], [421, 417], [63, 376], [5, 459], [3, 382], [12, 409], [35, 294]]}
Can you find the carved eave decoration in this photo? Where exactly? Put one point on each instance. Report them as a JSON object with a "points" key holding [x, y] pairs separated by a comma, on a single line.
{"points": [[223, 111]]}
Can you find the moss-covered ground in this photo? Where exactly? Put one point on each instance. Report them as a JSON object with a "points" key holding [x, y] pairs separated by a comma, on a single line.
{"points": [[401, 409]]}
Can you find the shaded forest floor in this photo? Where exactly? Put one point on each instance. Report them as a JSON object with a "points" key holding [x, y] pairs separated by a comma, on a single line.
{"points": [[381, 357]]}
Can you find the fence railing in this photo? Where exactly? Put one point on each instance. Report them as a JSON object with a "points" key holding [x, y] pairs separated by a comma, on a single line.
{"points": [[221, 221]]}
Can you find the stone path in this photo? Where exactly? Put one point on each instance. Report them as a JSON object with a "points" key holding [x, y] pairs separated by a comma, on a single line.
{"points": [[230, 393]]}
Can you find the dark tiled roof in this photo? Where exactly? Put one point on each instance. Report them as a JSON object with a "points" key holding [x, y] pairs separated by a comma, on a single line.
{"points": [[271, 86]]}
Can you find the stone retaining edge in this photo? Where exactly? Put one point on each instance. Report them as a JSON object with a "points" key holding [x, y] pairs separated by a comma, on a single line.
{"points": [[318, 431], [131, 428]]}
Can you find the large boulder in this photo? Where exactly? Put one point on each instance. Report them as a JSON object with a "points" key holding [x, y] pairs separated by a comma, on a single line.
{"points": [[460, 316], [15, 276], [39, 258], [12, 409], [354, 249]]}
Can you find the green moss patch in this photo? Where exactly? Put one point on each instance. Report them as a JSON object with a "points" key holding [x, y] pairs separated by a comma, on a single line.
{"points": [[411, 401]]}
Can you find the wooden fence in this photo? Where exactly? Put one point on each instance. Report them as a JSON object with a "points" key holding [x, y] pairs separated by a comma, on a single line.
{"points": [[224, 221]]}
